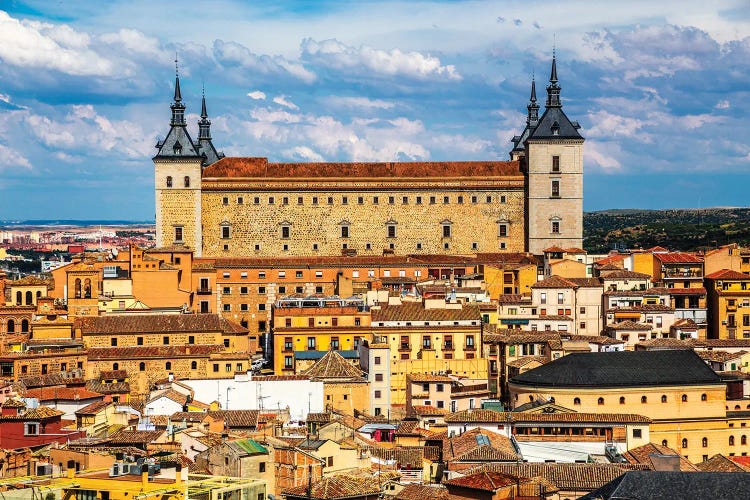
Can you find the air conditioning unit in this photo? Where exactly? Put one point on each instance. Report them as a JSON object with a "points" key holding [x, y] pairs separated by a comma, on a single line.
{"points": [[723, 322]]}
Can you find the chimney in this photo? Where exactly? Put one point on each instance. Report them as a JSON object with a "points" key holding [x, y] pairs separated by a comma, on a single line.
{"points": [[144, 476]]}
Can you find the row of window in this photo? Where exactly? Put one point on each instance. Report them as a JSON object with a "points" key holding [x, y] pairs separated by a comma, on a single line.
{"points": [[29, 298], [185, 181], [165, 341], [360, 200], [368, 246], [193, 366], [644, 399], [10, 326]]}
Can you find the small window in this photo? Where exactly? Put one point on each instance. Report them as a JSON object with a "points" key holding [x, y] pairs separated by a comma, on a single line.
{"points": [[600, 401], [704, 442], [165, 340], [178, 233], [375, 200], [704, 397], [663, 398], [169, 181], [240, 200], [344, 200], [555, 227], [300, 200], [555, 163], [256, 200], [285, 232], [622, 400], [344, 231], [433, 200], [502, 230], [330, 200], [360, 200], [684, 398], [446, 230], [405, 200], [555, 189], [577, 401], [637, 434], [446, 200], [187, 181], [460, 199], [271, 200], [225, 232], [644, 399], [225, 200], [684, 442], [391, 230]]}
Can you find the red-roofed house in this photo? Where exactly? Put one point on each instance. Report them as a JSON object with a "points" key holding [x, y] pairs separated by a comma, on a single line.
{"points": [[728, 298], [22, 427]]}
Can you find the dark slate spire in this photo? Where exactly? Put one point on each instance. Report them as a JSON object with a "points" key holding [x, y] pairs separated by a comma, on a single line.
{"points": [[204, 146], [204, 125], [178, 109], [533, 116], [178, 142], [553, 89]]}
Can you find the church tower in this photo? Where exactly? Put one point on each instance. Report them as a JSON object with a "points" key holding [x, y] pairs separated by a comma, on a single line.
{"points": [[177, 170], [553, 161]]}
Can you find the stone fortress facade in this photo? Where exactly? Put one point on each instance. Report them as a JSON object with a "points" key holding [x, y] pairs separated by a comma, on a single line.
{"points": [[250, 207]]}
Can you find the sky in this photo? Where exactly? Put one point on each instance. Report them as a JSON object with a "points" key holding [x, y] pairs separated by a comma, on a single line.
{"points": [[661, 90]]}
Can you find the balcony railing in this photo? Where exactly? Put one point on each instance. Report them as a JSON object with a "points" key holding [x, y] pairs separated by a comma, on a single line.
{"points": [[404, 347], [682, 274], [203, 291]]}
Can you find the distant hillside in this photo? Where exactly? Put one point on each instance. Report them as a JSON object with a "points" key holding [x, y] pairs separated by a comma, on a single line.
{"points": [[677, 229]]}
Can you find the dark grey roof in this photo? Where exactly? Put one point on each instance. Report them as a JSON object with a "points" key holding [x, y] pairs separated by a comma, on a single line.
{"points": [[647, 485], [552, 116], [178, 135], [621, 369]]}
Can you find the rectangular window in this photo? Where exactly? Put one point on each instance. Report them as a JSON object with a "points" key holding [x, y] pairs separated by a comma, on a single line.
{"points": [[377, 394], [418, 200], [344, 231], [378, 377], [334, 343], [285, 200], [446, 231], [543, 297], [405, 200], [314, 200], [225, 232], [31, 429], [446, 200], [330, 200], [432, 200], [285, 231], [391, 230], [555, 163], [288, 362], [344, 200], [391, 200], [555, 227], [560, 298], [300, 200], [556, 189], [178, 233], [376, 361], [375, 200], [256, 200], [271, 200], [310, 343], [360, 200], [460, 199], [473, 199], [225, 201], [502, 230], [240, 200]]}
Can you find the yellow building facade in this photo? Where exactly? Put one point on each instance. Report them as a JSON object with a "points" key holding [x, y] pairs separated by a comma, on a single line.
{"points": [[728, 297]]}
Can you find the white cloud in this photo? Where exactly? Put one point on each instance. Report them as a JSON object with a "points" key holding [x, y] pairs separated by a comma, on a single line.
{"points": [[608, 125], [723, 104], [602, 155], [359, 102], [257, 95], [232, 54], [302, 153], [335, 54], [282, 100], [31, 44], [10, 158]]}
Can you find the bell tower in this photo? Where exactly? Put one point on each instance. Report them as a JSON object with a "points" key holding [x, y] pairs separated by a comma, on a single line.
{"points": [[177, 181], [553, 151]]}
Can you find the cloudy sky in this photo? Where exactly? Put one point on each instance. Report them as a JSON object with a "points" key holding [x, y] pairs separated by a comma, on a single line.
{"points": [[661, 90]]}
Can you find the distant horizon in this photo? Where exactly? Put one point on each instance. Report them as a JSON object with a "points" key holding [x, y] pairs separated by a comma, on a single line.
{"points": [[10, 223]]}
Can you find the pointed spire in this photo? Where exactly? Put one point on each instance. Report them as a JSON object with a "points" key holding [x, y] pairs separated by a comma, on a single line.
{"points": [[533, 89], [553, 89], [177, 93], [178, 109], [532, 119], [204, 114]]}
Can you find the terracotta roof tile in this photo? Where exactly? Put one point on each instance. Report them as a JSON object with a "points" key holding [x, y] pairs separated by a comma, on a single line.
{"points": [[417, 312], [628, 325], [261, 168], [622, 274], [478, 416], [678, 258], [161, 351], [720, 463], [642, 456], [495, 447], [333, 366], [94, 408], [153, 323], [335, 487], [246, 419], [422, 492], [486, 481], [727, 274], [59, 393]]}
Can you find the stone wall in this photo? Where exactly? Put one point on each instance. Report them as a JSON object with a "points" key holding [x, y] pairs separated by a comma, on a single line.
{"points": [[315, 222]]}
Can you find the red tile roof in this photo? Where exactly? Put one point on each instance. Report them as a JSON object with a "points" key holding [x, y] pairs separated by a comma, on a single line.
{"points": [[678, 258], [261, 168], [162, 351], [409, 311], [335, 487], [59, 393], [727, 274], [485, 481], [153, 323]]}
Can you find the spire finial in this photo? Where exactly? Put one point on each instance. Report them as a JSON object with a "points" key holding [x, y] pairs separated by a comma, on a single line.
{"points": [[177, 93], [533, 87], [204, 114]]}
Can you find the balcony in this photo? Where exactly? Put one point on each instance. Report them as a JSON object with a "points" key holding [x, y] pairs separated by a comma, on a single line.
{"points": [[448, 346], [470, 347], [404, 347], [732, 307], [203, 291], [678, 274]]}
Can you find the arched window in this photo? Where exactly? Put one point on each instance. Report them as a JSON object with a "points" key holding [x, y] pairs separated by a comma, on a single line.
{"points": [[704, 442], [663, 398], [622, 400], [743, 440], [115, 366], [193, 365], [664, 442], [704, 397], [577, 401], [38, 295], [77, 288], [644, 399], [737, 407], [168, 365], [531, 399], [600, 401], [19, 298], [142, 366], [11, 326], [684, 398], [684, 443], [169, 181], [29, 298], [87, 289], [731, 440], [187, 181], [25, 326]]}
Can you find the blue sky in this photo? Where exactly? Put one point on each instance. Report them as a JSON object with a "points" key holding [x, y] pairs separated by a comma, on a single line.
{"points": [[661, 90]]}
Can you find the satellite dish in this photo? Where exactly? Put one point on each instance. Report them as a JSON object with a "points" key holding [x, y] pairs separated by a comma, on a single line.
{"points": [[115, 252]]}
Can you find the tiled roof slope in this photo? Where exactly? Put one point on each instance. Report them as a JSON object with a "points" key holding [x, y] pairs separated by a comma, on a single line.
{"points": [[566, 476], [727, 274], [642, 456], [261, 168], [685, 485], [720, 463], [422, 492], [486, 481], [333, 366], [621, 369], [153, 323], [416, 312], [340, 486]]}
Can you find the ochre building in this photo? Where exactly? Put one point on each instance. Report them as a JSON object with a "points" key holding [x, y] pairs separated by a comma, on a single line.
{"points": [[248, 206]]}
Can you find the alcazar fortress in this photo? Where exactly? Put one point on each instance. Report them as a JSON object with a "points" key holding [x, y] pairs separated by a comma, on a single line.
{"points": [[248, 206]]}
